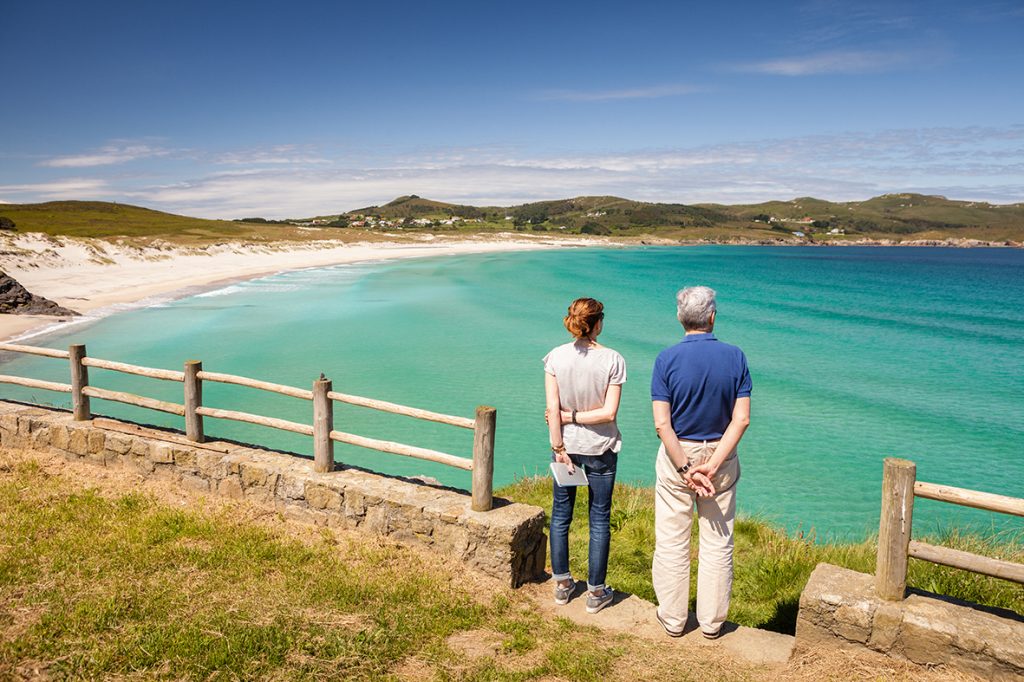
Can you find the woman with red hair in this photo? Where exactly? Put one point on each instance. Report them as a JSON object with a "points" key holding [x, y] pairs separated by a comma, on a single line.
{"points": [[583, 383]]}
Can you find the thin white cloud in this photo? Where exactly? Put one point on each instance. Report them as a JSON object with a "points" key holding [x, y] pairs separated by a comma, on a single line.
{"points": [[833, 62], [973, 163], [106, 156], [649, 92], [68, 188], [284, 154], [283, 194], [838, 167], [834, 22]]}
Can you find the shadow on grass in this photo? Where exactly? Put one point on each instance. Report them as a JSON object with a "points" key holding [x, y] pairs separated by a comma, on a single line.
{"points": [[784, 618]]}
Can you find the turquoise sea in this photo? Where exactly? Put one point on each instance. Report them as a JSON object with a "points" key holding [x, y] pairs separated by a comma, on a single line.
{"points": [[856, 354]]}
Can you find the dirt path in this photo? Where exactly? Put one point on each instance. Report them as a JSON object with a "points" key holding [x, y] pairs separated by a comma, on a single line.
{"points": [[635, 616]]}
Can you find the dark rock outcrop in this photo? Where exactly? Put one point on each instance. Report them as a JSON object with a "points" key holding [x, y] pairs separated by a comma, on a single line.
{"points": [[6, 223], [17, 300]]}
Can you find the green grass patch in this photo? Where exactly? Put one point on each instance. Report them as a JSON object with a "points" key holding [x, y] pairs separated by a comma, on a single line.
{"points": [[771, 567], [141, 226], [95, 586]]}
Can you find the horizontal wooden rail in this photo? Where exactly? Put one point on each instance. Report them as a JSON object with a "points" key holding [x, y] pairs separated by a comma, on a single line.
{"points": [[152, 373], [970, 498], [35, 350], [395, 408], [272, 422], [35, 383], [132, 399], [322, 396], [255, 383], [400, 449], [997, 568]]}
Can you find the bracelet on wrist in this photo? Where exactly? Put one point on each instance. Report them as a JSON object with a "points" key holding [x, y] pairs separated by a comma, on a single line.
{"points": [[574, 417]]}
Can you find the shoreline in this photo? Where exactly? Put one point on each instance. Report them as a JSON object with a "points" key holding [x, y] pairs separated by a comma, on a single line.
{"points": [[950, 243], [98, 280]]}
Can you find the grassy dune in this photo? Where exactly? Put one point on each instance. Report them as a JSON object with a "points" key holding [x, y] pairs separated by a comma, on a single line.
{"points": [[771, 567], [100, 219]]}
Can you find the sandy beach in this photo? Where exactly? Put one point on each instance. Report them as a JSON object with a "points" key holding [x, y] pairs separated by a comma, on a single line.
{"points": [[97, 278]]}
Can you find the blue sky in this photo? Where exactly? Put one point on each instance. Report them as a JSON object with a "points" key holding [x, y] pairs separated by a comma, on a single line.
{"points": [[230, 109]]}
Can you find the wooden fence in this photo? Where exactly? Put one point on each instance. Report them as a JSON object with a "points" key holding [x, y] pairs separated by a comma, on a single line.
{"points": [[895, 546], [322, 396]]}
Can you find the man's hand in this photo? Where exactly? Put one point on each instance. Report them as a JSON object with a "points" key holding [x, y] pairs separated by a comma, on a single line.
{"points": [[699, 481]]}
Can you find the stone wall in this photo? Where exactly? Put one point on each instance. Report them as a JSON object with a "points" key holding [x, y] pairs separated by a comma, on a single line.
{"points": [[840, 607], [507, 542]]}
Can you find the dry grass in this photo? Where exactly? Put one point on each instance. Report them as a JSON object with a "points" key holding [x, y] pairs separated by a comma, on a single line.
{"points": [[841, 665]]}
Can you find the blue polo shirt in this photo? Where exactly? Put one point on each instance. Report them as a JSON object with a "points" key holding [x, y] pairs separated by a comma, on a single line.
{"points": [[700, 378]]}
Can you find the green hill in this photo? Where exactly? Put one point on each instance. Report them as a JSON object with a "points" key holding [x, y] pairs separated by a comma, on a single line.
{"points": [[102, 219], [587, 215], [899, 216], [614, 211], [413, 205], [920, 215], [890, 216]]}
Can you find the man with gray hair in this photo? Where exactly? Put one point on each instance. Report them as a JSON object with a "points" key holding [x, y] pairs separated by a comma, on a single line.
{"points": [[700, 390]]}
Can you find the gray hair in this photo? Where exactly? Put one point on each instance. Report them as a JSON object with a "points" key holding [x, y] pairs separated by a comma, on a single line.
{"points": [[694, 308]]}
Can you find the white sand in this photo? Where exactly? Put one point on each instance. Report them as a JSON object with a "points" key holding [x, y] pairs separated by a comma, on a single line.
{"points": [[96, 277]]}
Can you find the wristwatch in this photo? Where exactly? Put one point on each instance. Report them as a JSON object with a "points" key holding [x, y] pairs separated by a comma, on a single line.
{"points": [[683, 469]]}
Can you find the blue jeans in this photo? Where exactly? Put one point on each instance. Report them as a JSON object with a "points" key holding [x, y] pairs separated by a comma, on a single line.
{"points": [[600, 470]]}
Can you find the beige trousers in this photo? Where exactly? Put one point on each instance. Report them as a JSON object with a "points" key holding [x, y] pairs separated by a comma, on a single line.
{"points": [[673, 518]]}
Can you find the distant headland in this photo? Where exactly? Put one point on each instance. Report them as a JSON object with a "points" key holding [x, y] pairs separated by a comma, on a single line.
{"points": [[890, 219]]}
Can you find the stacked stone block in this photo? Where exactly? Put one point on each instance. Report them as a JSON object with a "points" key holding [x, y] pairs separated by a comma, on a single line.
{"points": [[840, 607], [507, 542]]}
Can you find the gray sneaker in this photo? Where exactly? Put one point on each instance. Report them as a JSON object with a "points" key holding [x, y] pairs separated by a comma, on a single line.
{"points": [[596, 602], [562, 594]]}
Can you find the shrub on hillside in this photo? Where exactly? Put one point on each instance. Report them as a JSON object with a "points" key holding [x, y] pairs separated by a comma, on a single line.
{"points": [[595, 228]]}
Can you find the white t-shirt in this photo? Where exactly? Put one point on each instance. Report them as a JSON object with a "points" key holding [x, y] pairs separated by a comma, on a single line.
{"points": [[583, 376]]}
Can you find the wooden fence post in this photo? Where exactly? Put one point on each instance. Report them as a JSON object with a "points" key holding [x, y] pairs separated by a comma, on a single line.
{"points": [[193, 400], [323, 424], [894, 528], [79, 380], [483, 458]]}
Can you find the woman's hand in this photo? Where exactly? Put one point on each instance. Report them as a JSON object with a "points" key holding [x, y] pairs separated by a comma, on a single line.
{"points": [[564, 418], [563, 458]]}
